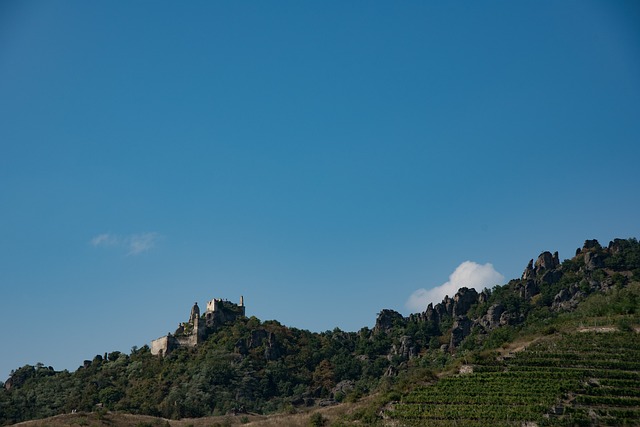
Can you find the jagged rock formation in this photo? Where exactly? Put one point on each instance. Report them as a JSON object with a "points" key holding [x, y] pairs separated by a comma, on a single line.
{"points": [[460, 330], [493, 318], [463, 300], [540, 276], [387, 319], [405, 349], [545, 269]]}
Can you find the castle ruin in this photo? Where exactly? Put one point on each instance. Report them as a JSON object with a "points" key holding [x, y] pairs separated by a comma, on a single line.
{"points": [[196, 330]]}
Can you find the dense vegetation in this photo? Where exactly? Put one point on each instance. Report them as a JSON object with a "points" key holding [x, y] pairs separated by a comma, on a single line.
{"points": [[249, 366]]}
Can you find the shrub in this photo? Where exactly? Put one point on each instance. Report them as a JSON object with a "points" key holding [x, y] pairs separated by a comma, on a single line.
{"points": [[317, 420]]}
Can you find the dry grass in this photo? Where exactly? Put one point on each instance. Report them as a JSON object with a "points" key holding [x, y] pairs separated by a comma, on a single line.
{"points": [[110, 419]]}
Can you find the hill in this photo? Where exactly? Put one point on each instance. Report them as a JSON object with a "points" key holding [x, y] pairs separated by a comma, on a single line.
{"points": [[515, 349]]}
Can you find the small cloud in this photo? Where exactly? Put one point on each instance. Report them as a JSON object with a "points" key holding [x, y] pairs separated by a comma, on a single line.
{"points": [[105, 239], [134, 243], [468, 274], [139, 243]]}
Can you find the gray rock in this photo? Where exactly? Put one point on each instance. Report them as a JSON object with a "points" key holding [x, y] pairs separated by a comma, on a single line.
{"points": [[528, 272], [460, 330], [272, 350], [505, 319], [407, 349], [546, 261], [529, 288], [386, 319], [491, 320], [430, 314], [590, 245], [483, 296], [343, 387], [327, 402], [616, 245], [593, 260], [463, 300], [391, 371], [567, 299], [443, 309], [551, 277]]}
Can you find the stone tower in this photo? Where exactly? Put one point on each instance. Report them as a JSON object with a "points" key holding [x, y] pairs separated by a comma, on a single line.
{"points": [[194, 319], [195, 313]]}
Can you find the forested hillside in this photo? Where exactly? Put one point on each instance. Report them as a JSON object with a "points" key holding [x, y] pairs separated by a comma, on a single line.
{"points": [[408, 363]]}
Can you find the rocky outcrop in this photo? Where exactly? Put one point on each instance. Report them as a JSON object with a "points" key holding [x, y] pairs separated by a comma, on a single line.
{"points": [[546, 261], [594, 255], [537, 278], [460, 330], [387, 319], [568, 299], [529, 272], [483, 296], [507, 318], [546, 269], [528, 289], [431, 313], [591, 245], [551, 276], [463, 300], [272, 349], [617, 245], [459, 305], [440, 309], [343, 388], [327, 402], [593, 260], [447, 306], [491, 320], [406, 349]]}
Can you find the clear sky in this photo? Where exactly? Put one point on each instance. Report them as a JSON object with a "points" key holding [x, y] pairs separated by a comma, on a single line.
{"points": [[325, 159]]}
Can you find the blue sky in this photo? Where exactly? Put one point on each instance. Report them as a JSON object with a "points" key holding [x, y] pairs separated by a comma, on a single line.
{"points": [[324, 159]]}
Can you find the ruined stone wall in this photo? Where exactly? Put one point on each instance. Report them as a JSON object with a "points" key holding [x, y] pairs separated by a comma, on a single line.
{"points": [[191, 333], [160, 346], [187, 341]]}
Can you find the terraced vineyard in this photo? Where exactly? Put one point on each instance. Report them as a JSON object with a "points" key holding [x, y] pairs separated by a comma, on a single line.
{"points": [[582, 378]]}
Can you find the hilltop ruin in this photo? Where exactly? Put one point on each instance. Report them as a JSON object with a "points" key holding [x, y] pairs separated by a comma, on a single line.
{"points": [[196, 330]]}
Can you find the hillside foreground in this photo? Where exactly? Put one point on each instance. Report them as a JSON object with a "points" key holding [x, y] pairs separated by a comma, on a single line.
{"points": [[559, 346]]}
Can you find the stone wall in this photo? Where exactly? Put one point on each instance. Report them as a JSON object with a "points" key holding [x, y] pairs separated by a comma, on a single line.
{"points": [[160, 346]]}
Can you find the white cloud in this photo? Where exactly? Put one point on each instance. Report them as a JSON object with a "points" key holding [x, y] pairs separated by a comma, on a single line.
{"points": [[104, 239], [134, 243], [468, 274], [139, 243]]}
